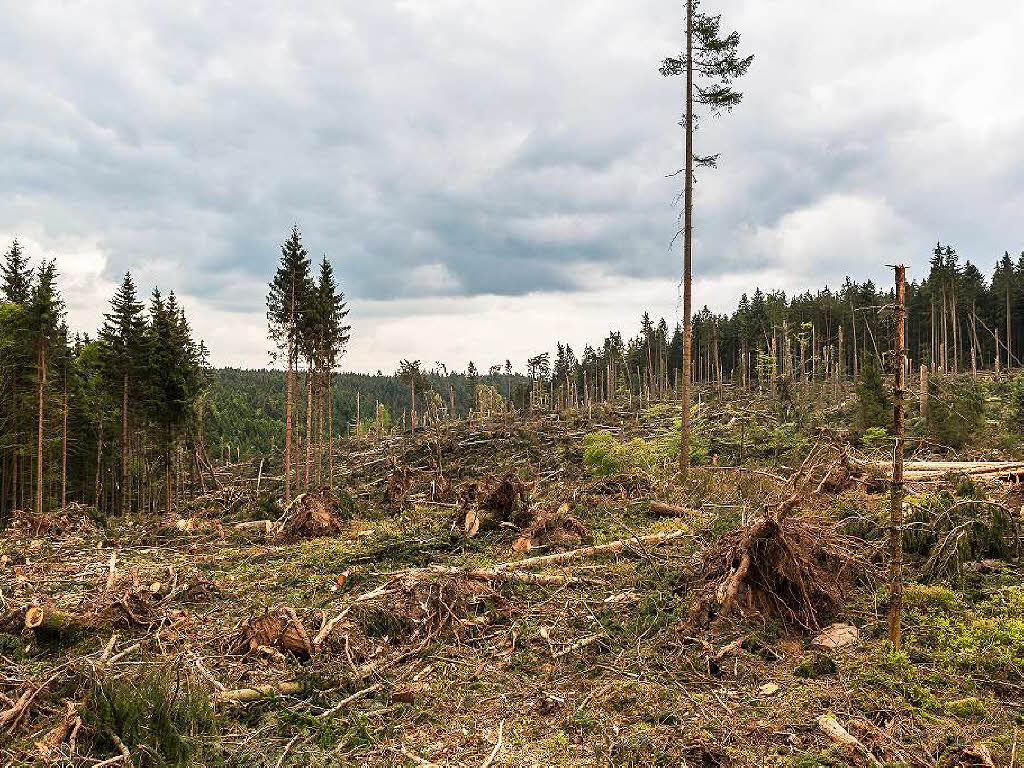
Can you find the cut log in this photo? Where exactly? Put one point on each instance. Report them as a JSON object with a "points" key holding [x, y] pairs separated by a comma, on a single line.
{"points": [[663, 509], [831, 728], [51, 620], [243, 695], [612, 547]]}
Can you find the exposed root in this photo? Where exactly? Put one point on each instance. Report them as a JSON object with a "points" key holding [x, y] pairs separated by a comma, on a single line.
{"points": [[312, 514], [548, 527], [794, 568]]}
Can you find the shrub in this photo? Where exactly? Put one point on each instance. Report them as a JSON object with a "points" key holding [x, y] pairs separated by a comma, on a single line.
{"points": [[815, 665], [956, 408], [969, 708], [987, 641], [158, 713], [1017, 401], [874, 437], [874, 408], [604, 455]]}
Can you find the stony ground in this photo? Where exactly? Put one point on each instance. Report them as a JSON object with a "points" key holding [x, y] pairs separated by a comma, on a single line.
{"points": [[411, 634]]}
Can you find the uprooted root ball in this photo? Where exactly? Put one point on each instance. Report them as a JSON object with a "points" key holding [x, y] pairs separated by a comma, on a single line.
{"points": [[796, 568], [317, 513]]}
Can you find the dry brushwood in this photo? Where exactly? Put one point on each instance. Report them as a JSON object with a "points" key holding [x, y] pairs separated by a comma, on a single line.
{"points": [[796, 568], [435, 602], [72, 519], [313, 514]]}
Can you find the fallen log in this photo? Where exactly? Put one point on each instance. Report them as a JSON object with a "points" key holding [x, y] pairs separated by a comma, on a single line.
{"points": [[663, 509], [55, 621], [831, 728], [611, 547], [243, 695]]}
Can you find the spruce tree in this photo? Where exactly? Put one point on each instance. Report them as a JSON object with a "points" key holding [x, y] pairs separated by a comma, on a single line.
{"points": [[333, 338], [121, 339], [171, 375], [286, 302], [711, 65], [16, 276], [874, 407], [46, 313]]}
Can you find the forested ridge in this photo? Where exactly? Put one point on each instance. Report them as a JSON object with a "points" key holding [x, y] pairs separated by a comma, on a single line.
{"points": [[134, 416]]}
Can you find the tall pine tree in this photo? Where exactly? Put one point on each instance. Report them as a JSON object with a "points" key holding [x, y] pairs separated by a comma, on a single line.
{"points": [[287, 301], [121, 339], [711, 64]]}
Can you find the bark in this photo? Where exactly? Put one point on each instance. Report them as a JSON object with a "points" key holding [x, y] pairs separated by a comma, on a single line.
{"points": [[684, 431], [309, 424], [64, 448], [896, 500], [54, 621], [39, 432]]}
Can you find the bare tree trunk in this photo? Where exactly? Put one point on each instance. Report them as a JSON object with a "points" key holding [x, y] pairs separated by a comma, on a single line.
{"points": [[896, 501], [125, 491], [412, 403], [1009, 325], [39, 432], [330, 429], [684, 442], [64, 447], [99, 463], [288, 423], [853, 317], [309, 423], [924, 391], [168, 490]]}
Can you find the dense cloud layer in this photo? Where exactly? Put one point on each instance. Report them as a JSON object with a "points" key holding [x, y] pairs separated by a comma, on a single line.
{"points": [[481, 170]]}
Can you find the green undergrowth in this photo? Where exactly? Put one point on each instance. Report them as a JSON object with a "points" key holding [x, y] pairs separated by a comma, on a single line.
{"points": [[162, 716], [604, 454]]}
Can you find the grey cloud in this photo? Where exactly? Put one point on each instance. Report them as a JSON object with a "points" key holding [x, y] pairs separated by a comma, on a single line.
{"points": [[496, 147]]}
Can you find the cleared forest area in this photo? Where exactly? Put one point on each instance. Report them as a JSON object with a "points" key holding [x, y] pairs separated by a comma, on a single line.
{"points": [[540, 589]]}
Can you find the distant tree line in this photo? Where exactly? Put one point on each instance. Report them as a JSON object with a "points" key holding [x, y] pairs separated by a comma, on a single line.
{"points": [[108, 421], [957, 321]]}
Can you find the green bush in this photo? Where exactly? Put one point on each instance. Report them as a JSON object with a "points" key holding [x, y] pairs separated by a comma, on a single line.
{"points": [[968, 708], [874, 408], [1016, 401], [605, 455], [874, 437], [987, 641], [956, 409], [815, 665]]}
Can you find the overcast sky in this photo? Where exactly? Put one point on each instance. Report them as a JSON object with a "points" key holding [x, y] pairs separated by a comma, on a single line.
{"points": [[489, 176]]}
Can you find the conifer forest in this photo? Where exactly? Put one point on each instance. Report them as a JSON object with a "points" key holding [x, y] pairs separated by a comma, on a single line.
{"points": [[787, 531]]}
